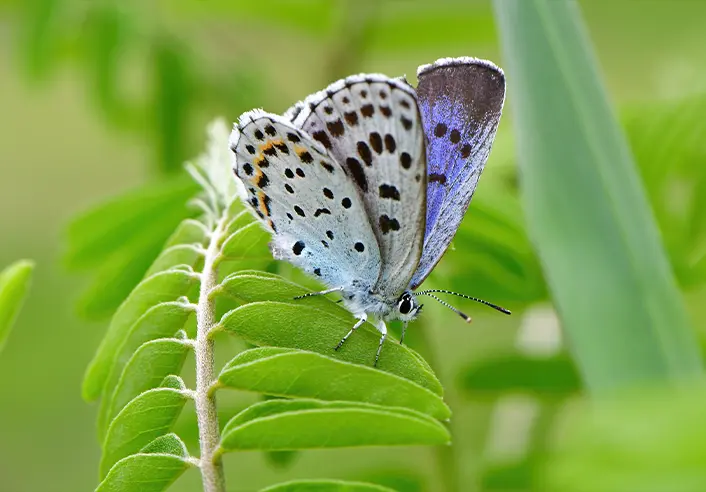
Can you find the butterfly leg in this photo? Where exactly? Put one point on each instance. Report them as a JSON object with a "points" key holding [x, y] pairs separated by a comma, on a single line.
{"points": [[363, 319], [404, 329], [382, 328], [322, 293]]}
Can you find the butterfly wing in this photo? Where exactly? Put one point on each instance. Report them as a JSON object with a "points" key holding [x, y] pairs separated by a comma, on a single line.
{"points": [[461, 101], [304, 198], [371, 124]]}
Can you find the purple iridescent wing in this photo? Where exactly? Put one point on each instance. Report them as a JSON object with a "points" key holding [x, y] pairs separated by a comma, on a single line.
{"points": [[461, 100]]}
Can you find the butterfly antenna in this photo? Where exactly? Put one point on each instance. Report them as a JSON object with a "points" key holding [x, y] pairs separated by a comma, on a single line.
{"points": [[490, 304], [465, 317]]}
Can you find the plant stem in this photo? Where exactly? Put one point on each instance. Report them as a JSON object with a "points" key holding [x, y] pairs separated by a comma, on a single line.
{"points": [[209, 434]]}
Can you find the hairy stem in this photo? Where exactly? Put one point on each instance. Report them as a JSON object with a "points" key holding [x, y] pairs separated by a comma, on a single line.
{"points": [[209, 434]]}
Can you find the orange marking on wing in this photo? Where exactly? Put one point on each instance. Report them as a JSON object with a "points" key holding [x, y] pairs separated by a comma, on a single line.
{"points": [[299, 150], [261, 201]]}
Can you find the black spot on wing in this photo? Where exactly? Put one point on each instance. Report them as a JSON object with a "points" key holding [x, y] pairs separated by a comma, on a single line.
{"points": [[300, 173], [271, 151], [317, 272], [390, 143], [356, 170], [376, 142], [437, 178], [405, 160], [248, 169], [263, 181], [298, 247], [364, 153], [320, 211], [368, 110], [329, 234], [293, 137], [406, 123], [306, 157], [250, 149], [282, 147], [258, 134], [440, 130], [351, 118], [386, 111], [289, 188], [270, 130], [389, 191], [327, 166], [455, 136], [328, 193], [336, 128], [288, 172], [359, 247], [299, 211], [387, 224], [322, 137], [346, 202], [465, 151]]}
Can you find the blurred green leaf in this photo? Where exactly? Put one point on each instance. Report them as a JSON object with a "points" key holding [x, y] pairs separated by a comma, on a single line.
{"points": [[325, 486], [41, 38], [295, 373], [173, 95], [156, 467], [160, 321], [106, 228], [544, 377], [147, 417], [14, 283], [120, 239], [149, 365], [306, 424], [513, 475], [641, 442], [586, 210], [285, 325], [162, 287]]}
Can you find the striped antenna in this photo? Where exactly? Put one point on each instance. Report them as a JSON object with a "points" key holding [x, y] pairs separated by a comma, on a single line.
{"points": [[465, 317], [490, 304]]}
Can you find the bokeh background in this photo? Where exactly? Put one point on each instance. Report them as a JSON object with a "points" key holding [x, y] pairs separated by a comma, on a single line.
{"points": [[103, 101]]}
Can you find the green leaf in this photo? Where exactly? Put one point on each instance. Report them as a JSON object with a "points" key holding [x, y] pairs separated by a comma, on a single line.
{"points": [[307, 424], [248, 242], [586, 210], [304, 327], [325, 486], [189, 231], [161, 287], [148, 416], [546, 377], [176, 256], [638, 442], [160, 321], [294, 373], [156, 467], [149, 365], [14, 282]]}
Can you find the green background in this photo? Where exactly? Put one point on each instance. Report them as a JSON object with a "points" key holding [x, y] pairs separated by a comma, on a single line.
{"points": [[76, 130]]}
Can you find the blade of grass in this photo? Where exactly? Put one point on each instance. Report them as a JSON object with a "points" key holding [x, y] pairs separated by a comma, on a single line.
{"points": [[586, 209]]}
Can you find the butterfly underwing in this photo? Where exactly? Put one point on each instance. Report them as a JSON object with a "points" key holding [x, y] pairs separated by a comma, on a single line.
{"points": [[365, 183]]}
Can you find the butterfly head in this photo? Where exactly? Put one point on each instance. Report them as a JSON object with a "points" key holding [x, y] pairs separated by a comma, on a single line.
{"points": [[407, 307]]}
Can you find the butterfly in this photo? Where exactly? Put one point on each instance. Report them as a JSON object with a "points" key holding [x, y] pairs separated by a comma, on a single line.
{"points": [[365, 183]]}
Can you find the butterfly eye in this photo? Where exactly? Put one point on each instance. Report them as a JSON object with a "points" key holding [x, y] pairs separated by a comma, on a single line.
{"points": [[405, 305]]}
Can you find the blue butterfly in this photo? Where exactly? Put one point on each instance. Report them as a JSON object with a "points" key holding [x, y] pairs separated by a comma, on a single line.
{"points": [[365, 183]]}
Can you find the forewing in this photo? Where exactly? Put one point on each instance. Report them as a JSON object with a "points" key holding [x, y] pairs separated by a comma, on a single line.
{"points": [[371, 124], [304, 198], [461, 101]]}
